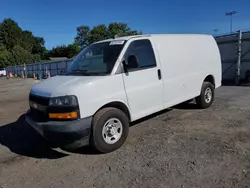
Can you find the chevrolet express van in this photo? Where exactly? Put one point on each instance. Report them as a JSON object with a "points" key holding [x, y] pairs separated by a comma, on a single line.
{"points": [[114, 82]]}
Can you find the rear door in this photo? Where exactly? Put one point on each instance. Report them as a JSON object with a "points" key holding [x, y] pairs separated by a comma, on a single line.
{"points": [[143, 85]]}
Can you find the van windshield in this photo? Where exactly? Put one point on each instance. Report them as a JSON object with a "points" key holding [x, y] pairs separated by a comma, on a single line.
{"points": [[96, 59]]}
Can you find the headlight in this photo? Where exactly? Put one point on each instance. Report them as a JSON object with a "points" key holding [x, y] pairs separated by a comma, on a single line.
{"points": [[68, 100]]}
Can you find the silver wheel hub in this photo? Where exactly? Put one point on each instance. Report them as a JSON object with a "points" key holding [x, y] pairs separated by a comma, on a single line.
{"points": [[112, 131], [208, 95]]}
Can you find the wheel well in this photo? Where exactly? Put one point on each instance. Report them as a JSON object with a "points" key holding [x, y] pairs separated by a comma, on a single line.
{"points": [[210, 79], [119, 105]]}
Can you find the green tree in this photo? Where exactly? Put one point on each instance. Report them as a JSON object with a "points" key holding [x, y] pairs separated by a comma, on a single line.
{"points": [[82, 33], [5, 56], [27, 41], [73, 50], [18, 46], [99, 32], [68, 51], [31, 43], [10, 33], [21, 56], [121, 29], [86, 36], [38, 45]]}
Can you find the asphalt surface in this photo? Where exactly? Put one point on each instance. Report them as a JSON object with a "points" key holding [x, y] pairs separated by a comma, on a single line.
{"points": [[180, 147]]}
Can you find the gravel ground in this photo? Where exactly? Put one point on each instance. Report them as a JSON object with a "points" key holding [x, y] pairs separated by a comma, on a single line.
{"points": [[180, 147]]}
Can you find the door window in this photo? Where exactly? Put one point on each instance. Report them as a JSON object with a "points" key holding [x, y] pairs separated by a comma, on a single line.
{"points": [[144, 53]]}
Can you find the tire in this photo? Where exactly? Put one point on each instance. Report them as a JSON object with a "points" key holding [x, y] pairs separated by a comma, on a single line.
{"points": [[202, 101], [101, 139]]}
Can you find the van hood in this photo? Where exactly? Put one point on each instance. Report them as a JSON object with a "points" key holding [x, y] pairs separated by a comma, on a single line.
{"points": [[61, 85]]}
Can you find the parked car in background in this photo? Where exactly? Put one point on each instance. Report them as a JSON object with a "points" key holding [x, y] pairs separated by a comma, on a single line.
{"points": [[114, 82], [2, 72]]}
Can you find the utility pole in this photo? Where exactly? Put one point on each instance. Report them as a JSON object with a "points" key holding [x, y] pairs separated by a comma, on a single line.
{"points": [[230, 14], [239, 58]]}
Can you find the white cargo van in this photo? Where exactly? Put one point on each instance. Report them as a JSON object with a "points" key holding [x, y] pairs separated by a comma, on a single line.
{"points": [[114, 82]]}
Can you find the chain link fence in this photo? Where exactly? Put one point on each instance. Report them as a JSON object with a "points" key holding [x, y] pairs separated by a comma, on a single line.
{"points": [[39, 70], [229, 49]]}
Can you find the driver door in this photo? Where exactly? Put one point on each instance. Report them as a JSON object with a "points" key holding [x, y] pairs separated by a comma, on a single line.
{"points": [[143, 84]]}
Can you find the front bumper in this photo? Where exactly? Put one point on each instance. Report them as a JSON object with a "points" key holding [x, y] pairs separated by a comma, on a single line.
{"points": [[63, 133]]}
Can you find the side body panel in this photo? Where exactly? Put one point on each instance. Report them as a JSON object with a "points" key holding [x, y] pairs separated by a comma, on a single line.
{"points": [[186, 60]]}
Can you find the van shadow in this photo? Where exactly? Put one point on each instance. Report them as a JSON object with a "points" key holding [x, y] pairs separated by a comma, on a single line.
{"points": [[187, 106], [21, 139], [85, 150]]}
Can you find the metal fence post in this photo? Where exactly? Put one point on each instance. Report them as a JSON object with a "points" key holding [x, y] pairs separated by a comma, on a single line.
{"points": [[25, 71], [238, 66], [56, 68], [40, 72]]}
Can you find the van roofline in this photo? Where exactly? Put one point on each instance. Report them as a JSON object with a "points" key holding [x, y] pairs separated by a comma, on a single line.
{"points": [[147, 35], [123, 38]]}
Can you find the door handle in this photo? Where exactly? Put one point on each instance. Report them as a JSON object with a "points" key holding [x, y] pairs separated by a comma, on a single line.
{"points": [[159, 74]]}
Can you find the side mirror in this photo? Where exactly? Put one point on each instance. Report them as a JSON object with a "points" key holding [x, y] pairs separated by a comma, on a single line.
{"points": [[132, 62]]}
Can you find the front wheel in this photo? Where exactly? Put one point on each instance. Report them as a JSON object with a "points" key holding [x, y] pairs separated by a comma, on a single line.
{"points": [[206, 97], [110, 129]]}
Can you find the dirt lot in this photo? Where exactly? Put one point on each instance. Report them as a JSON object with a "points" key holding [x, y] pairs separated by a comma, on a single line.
{"points": [[180, 147]]}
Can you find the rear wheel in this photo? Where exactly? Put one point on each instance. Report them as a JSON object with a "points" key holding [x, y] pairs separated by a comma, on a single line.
{"points": [[206, 97], [110, 129]]}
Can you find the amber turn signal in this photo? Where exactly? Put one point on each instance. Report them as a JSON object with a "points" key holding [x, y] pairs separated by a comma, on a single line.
{"points": [[68, 115]]}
